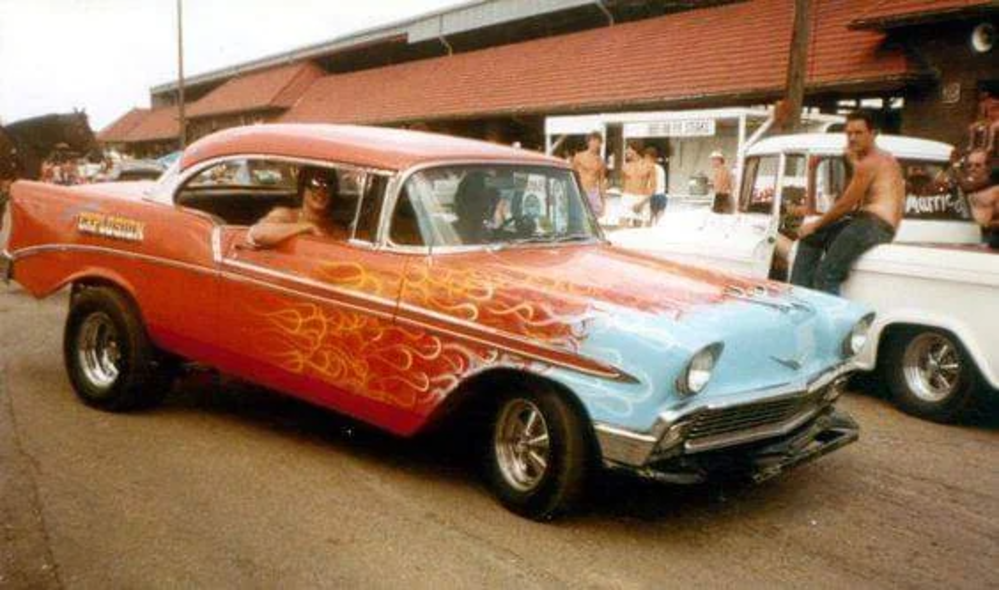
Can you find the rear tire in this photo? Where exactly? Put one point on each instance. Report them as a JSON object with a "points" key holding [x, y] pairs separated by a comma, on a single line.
{"points": [[930, 375], [110, 360], [539, 454]]}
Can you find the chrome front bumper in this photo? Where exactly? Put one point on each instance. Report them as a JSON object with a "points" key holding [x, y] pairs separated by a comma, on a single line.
{"points": [[706, 426]]}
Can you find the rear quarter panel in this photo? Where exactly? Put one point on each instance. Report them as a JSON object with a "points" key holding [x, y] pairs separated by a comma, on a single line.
{"points": [[160, 255]]}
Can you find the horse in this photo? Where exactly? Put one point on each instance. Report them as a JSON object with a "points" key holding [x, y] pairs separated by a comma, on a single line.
{"points": [[32, 141]]}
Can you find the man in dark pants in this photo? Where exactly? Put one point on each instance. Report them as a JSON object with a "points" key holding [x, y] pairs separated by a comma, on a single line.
{"points": [[866, 215]]}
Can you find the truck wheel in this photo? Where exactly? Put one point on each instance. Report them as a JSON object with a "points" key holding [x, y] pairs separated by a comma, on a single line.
{"points": [[540, 454], [930, 375], [112, 365]]}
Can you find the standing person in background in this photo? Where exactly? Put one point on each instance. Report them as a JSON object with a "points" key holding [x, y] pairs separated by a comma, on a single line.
{"points": [[657, 199], [722, 181], [589, 164], [639, 178]]}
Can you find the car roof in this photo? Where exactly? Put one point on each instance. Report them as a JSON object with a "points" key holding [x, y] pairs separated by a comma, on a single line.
{"points": [[834, 143], [371, 147]]}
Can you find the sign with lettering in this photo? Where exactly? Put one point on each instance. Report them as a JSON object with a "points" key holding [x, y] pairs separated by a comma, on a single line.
{"points": [[679, 128], [111, 226], [942, 207]]}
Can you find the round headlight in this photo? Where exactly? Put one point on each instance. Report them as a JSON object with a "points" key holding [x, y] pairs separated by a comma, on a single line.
{"points": [[699, 370], [857, 338]]}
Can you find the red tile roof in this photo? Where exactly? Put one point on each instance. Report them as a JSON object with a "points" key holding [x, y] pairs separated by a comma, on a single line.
{"points": [[889, 13], [275, 88], [119, 129], [158, 124], [734, 50]]}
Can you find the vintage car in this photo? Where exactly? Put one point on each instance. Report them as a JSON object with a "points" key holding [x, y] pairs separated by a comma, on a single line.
{"points": [[448, 296], [936, 338]]}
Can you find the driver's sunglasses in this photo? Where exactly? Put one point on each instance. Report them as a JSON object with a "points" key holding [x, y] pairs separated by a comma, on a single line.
{"points": [[318, 183]]}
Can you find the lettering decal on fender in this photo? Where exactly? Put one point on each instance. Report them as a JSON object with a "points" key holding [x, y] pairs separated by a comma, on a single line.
{"points": [[111, 226]]}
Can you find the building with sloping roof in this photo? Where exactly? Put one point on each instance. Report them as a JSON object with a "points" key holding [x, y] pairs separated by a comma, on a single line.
{"points": [[495, 68]]}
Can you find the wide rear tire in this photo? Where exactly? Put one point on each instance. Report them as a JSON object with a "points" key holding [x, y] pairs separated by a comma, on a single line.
{"points": [[539, 454], [111, 363]]}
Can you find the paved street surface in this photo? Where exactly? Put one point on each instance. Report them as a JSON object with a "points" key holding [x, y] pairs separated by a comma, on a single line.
{"points": [[230, 486]]}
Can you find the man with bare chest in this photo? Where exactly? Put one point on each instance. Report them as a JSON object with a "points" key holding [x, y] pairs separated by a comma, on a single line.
{"points": [[867, 214], [983, 195], [589, 164], [638, 184]]}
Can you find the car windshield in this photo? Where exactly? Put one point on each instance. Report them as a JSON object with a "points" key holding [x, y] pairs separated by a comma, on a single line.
{"points": [[492, 205]]}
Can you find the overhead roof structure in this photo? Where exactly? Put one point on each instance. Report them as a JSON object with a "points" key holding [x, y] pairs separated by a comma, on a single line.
{"points": [[737, 50], [275, 88], [885, 14]]}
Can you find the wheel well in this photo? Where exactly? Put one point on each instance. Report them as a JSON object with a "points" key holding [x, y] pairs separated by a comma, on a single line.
{"points": [[473, 402], [894, 331], [80, 285]]}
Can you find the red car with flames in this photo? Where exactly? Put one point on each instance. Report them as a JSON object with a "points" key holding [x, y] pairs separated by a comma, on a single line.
{"points": [[406, 278]]}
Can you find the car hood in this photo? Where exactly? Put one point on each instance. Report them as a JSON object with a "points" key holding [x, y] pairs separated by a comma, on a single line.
{"points": [[646, 318]]}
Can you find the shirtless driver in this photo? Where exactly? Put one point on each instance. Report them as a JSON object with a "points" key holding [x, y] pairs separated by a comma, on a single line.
{"points": [[592, 172], [865, 216]]}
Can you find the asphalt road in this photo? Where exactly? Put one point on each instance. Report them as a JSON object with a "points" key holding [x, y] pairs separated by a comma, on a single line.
{"points": [[230, 486]]}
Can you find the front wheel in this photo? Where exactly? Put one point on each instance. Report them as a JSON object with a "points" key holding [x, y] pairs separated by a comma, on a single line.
{"points": [[539, 454], [930, 375], [111, 362]]}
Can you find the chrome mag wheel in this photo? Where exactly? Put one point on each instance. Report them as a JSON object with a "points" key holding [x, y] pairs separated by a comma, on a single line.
{"points": [[932, 367], [99, 350], [522, 444]]}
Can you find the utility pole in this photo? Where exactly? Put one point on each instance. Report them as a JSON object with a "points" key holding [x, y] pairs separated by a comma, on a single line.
{"points": [[180, 73], [797, 67]]}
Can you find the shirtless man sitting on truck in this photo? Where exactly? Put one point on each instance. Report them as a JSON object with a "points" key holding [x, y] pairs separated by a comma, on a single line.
{"points": [[868, 213]]}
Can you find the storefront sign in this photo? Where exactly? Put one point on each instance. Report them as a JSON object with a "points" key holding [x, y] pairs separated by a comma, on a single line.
{"points": [[682, 128]]}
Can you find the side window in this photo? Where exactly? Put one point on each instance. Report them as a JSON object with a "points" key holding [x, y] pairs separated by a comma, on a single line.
{"points": [[241, 191], [370, 210], [759, 184], [405, 225], [931, 193], [831, 178], [795, 181]]}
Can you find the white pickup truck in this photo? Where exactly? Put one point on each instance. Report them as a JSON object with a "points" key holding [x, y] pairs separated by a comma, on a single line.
{"points": [[935, 288]]}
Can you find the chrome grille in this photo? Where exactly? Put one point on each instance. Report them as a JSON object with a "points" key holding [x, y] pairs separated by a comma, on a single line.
{"points": [[722, 421]]}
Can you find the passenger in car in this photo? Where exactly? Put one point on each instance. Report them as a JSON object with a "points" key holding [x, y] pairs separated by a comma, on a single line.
{"points": [[317, 189]]}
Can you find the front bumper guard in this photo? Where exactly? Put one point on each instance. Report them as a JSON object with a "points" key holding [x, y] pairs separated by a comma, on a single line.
{"points": [[669, 436]]}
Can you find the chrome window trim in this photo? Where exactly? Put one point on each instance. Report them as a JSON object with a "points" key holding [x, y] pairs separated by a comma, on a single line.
{"points": [[402, 178]]}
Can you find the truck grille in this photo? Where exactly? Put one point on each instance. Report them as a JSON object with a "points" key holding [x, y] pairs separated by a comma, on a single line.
{"points": [[719, 422]]}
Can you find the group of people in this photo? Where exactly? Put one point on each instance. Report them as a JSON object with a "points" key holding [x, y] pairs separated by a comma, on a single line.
{"points": [[872, 206], [643, 183]]}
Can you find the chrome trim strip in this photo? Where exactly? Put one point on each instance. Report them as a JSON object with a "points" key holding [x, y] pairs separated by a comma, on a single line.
{"points": [[307, 282], [49, 248], [217, 244], [420, 321], [294, 293]]}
